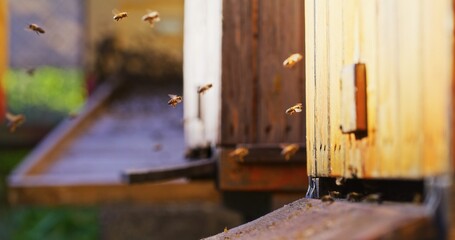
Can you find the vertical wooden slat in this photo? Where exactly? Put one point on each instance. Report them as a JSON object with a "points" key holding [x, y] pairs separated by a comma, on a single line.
{"points": [[436, 84], [280, 35], [350, 55], [368, 55], [238, 105], [310, 42], [409, 136], [335, 64], [321, 87], [388, 88]]}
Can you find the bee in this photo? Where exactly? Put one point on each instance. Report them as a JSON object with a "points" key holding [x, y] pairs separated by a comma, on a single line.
{"points": [[354, 197], [353, 171], [225, 230], [37, 29], [292, 60], [203, 88], [340, 181], [119, 15], [14, 121], [335, 194], [151, 17], [239, 153], [296, 108], [328, 199], [375, 197], [175, 99], [289, 150]]}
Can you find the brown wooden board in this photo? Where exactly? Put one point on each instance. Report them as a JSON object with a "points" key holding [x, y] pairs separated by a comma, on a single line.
{"points": [[313, 219], [98, 193], [260, 177], [281, 29], [256, 91], [239, 75]]}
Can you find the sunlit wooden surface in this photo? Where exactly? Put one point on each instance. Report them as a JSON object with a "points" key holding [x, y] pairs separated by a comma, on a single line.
{"points": [[407, 49]]}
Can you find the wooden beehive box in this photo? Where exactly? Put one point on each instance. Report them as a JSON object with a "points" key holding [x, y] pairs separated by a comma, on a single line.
{"points": [[240, 48], [405, 48]]}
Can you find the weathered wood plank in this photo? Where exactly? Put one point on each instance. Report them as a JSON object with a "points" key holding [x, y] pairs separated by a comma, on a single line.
{"points": [[239, 72], [368, 55], [335, 64], [310, 86], [313, 219], [271, 153], [410, 102], [46, 152], [175, 191], [280, 35], [406, 49], [436, 85], [322, 118], [350, 55], [256, 177]]}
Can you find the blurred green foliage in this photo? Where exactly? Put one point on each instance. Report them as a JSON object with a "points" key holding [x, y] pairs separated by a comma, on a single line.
{"points": [[29, 223], [45, 96]]}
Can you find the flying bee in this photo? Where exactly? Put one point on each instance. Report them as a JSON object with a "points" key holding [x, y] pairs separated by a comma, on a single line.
{"points": [[354, 197], [37, 29], [14, 121], [175, 99], [353, 171], [239, 153], [119, 15], [328, 199], [203, 88], [335, 194], [294, 109], [292, 60], [289, 150], [151, 17], [340, 181]]}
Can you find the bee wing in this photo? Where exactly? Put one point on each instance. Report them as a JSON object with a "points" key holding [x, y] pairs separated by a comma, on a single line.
{"points": [[172, 95], [115, 11]]}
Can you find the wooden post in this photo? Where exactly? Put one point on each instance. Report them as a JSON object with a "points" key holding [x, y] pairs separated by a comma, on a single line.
{"points": [[4, 55]]}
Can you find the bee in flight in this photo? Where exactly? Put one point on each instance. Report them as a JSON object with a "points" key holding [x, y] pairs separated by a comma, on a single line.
{"points": [[328, 199], [37, 29], [151, 17], [202, 89], [289, 150], [239, 153], [292, 60], [119, 15], [175, 99], [14, 121], [296, 108]]}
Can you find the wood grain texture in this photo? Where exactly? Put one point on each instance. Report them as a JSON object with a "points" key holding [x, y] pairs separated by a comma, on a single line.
{"points": [[407, 50], [89, 194], [310, 49], [260, 177], [239, 74], [322, 118], [313, 219], [280, 35]]}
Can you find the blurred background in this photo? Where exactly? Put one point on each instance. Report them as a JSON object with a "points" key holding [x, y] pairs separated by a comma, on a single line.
{"points": [[49, 78]]}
